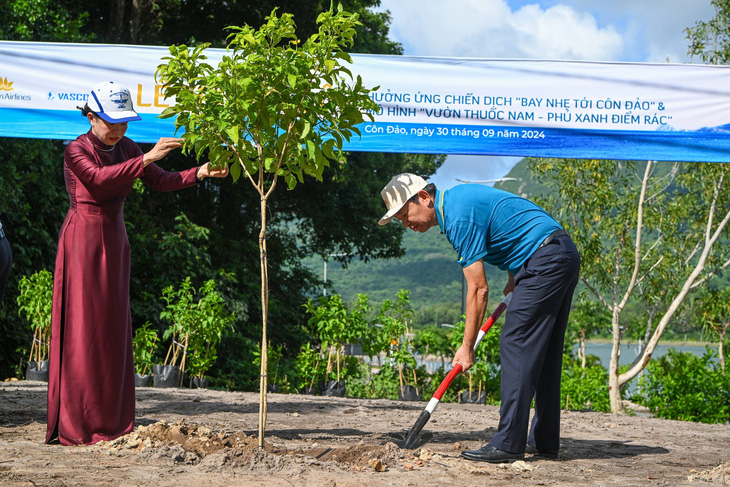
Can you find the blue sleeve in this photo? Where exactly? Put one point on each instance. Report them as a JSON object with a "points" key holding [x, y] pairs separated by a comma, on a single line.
{"points": [[469, 241]]}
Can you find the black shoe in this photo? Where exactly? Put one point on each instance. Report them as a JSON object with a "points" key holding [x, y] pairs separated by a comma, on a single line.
{"points": [[553, 455], [492, 455]]}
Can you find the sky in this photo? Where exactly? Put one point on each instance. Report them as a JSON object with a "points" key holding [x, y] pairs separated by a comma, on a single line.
{"points": [[586, 30]]}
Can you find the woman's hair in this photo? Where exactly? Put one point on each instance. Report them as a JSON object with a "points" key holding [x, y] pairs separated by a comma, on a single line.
{"points": [[85, 110]]}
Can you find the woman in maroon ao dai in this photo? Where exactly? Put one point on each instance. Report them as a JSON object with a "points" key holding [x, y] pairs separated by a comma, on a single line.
{"points": [[91, 393]]}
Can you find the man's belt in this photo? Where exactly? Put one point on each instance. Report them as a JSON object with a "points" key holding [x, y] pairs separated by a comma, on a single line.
{"points": [[557, 233]]}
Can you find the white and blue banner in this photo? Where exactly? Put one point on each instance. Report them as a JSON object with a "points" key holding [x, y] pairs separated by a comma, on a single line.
{"points": [[538, 108]]}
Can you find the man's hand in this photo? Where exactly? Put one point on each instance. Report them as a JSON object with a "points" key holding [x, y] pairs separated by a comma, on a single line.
{"points": [[464, 356], [510, 284]]}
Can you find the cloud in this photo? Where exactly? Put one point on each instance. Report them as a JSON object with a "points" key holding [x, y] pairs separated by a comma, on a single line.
{"points": [[620, 30], [561, 32], [492, 29], [653, 30]]}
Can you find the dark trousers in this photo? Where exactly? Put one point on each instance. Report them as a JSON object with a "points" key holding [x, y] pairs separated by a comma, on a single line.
{"points": [[531, 348], [6, 261]]}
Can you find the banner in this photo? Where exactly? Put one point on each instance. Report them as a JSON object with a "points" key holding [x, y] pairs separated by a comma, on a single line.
{"points": [[541, 108]]}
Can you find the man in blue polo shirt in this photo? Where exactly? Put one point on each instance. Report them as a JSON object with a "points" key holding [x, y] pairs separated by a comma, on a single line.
{"points": [[485, 224]]}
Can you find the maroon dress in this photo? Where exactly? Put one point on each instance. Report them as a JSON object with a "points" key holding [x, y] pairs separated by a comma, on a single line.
{"points": [[91, 371]]}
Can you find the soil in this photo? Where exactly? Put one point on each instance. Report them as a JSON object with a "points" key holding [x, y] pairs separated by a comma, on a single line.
{"points": [[204, 438]]}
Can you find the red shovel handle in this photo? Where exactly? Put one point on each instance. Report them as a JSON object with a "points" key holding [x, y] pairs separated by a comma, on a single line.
{"points": [[490, 321], [447, 381], [485, 328]]}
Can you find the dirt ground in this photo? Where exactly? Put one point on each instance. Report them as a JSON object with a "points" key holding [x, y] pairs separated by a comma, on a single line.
{"points": [[197, 437]]}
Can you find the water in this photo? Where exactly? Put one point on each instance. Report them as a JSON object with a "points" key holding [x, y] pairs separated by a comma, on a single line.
{"points": [[629, 351]]}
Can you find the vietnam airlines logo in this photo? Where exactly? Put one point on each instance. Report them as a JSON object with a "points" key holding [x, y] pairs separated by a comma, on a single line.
{"points": [[6, 85]]}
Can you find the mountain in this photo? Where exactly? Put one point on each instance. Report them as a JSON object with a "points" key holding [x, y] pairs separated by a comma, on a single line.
{"points": [[428, 270]]}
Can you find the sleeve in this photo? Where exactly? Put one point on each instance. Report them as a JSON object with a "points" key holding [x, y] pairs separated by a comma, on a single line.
{"points": [[470, 243], [162, 180], [81, 161]]}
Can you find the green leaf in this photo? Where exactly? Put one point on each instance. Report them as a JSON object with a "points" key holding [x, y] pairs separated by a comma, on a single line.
{"points": [[236, 171], [306, 129], [292, 79], [233, 134], [168, 112]]}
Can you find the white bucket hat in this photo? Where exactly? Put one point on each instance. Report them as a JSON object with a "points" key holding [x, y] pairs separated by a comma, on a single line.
{"points": [[398, 191], [112, 102]]}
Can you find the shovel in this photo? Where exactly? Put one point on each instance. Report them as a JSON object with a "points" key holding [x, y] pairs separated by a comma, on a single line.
{"points": [[426, 413]]}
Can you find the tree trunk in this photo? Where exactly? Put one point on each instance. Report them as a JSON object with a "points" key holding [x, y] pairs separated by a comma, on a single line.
{"points": [[614, 388], [338, 365], [116, 20], [614, 384], [136, 20], [264, 317], [720, 351]]}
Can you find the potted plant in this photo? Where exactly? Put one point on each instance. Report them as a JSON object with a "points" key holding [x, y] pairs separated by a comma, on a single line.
{"points": [[329, 319], [196, 330], [143, 348], [35, 299], [395, 341], [336, 326], [309, 368], [471, 396]]}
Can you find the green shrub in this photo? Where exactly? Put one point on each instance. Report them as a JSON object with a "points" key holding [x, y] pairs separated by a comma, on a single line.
{"points": [[310, 367], [198, 320], [383, 385], [144, 344], [584, 388], [683, 386], [35, 299]]}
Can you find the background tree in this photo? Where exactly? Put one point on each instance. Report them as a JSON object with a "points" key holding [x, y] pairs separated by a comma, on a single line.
{"points": [[586, 318], [433, 340], [650, 236], [710, 40], [714, 313]]}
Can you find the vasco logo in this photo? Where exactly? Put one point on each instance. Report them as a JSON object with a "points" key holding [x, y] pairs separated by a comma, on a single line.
{"points": [[60, 96], [6, 85], [121, 100]]}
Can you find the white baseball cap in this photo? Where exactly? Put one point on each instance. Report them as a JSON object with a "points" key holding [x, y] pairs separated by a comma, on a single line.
{"points": [[398, 191], [112, 102]]}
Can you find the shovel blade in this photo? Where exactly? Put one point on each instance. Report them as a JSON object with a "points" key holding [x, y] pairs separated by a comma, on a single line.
{"points": [[412, 437]]}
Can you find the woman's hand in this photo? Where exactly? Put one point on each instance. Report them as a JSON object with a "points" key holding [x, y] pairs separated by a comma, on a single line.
{"points": [[161, 148], [205, 171]]}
